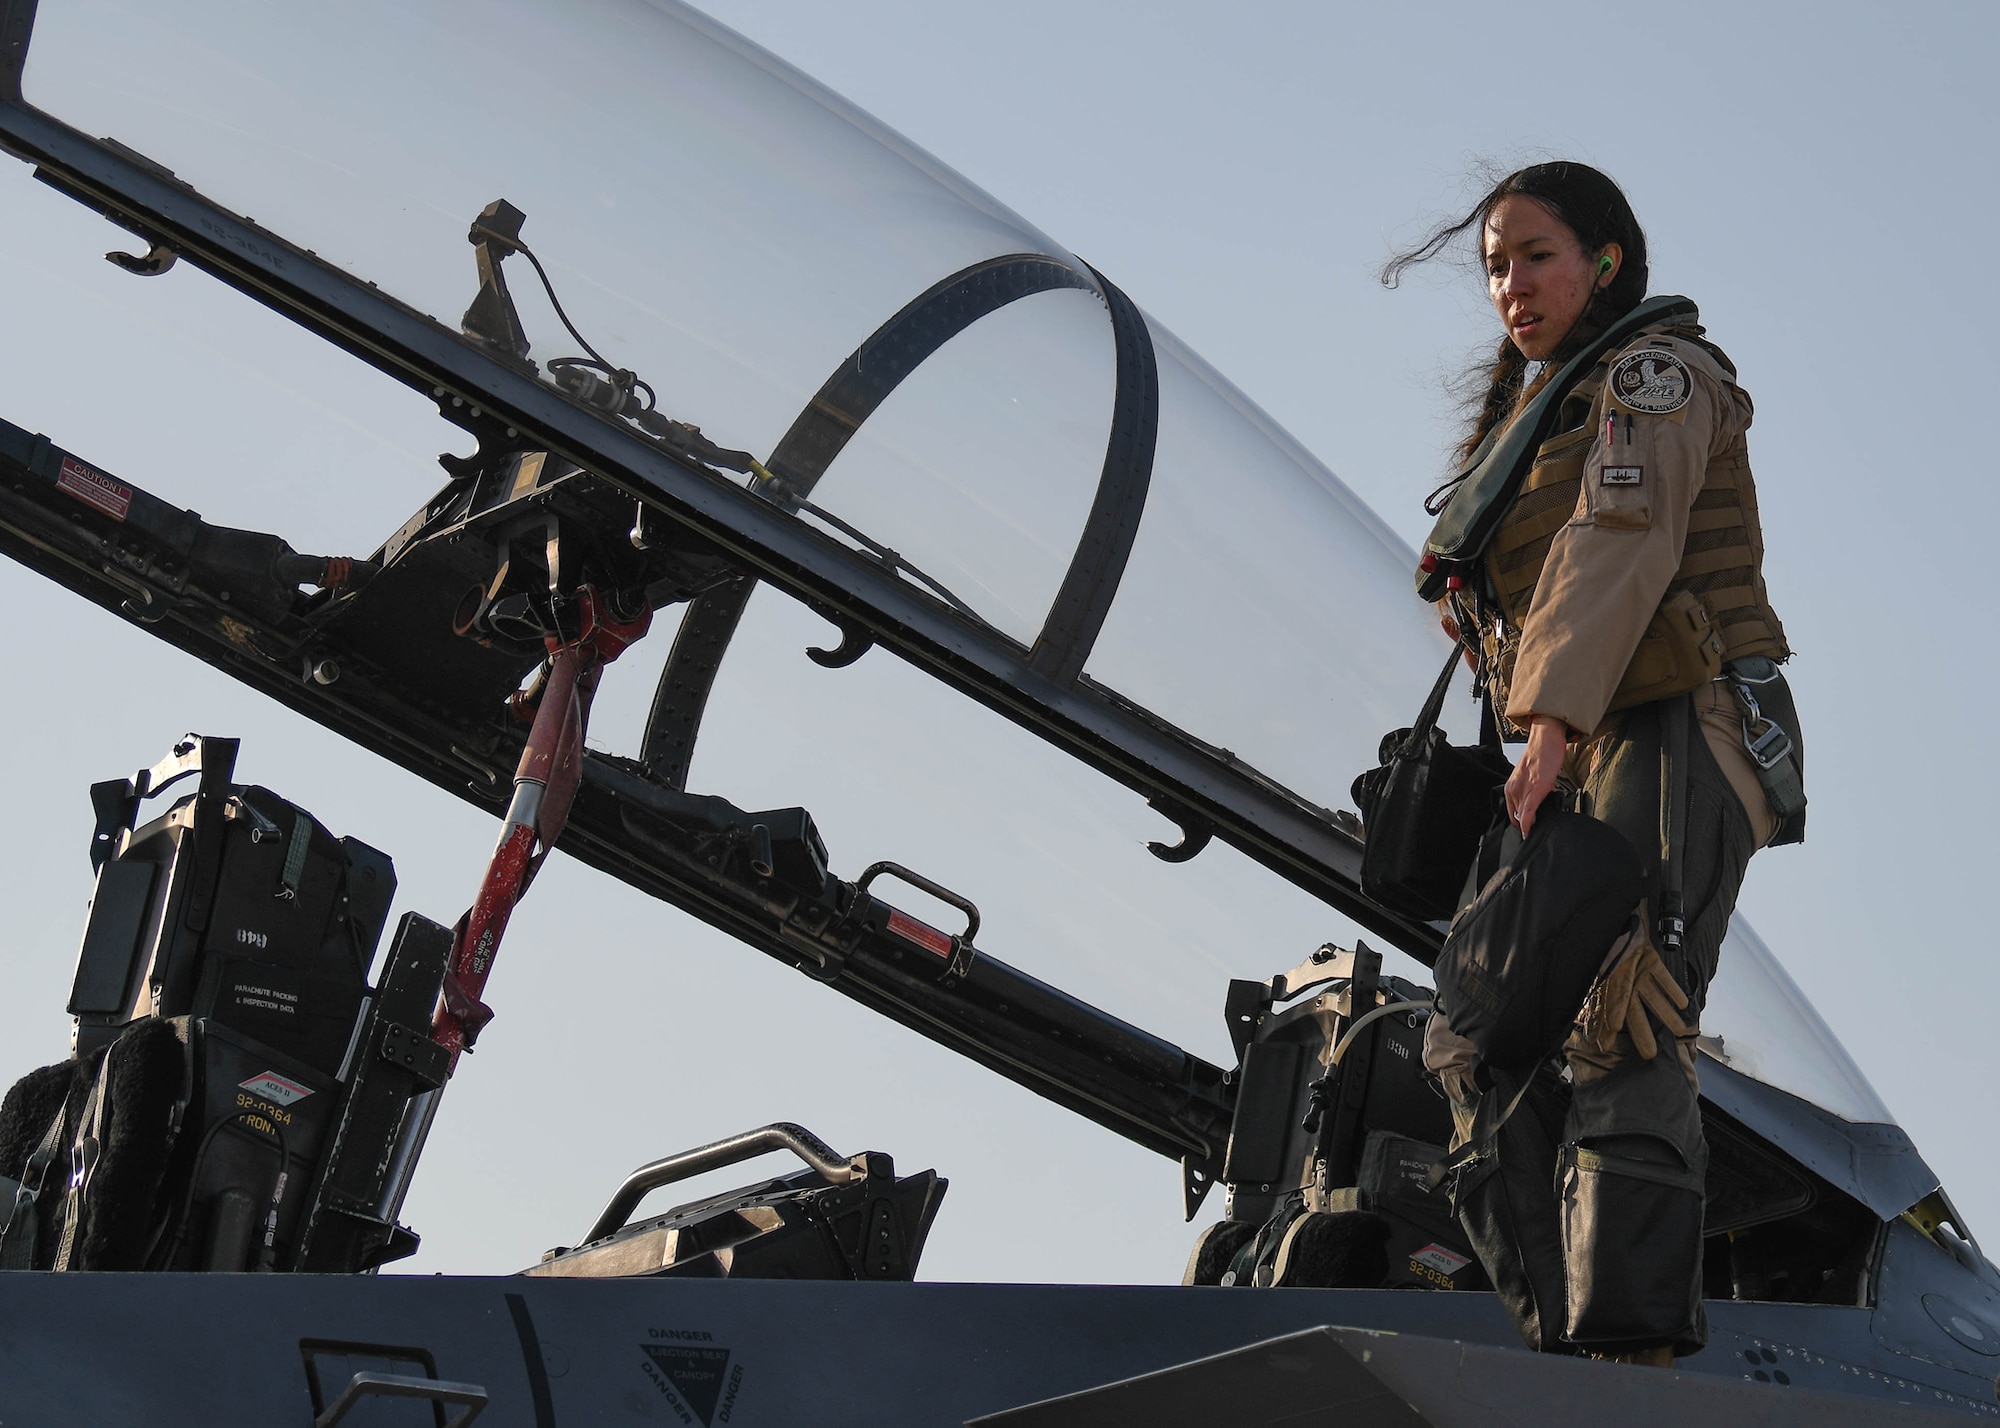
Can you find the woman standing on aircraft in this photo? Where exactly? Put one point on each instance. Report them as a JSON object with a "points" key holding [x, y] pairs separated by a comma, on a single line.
{"points": [[1618, 575]]}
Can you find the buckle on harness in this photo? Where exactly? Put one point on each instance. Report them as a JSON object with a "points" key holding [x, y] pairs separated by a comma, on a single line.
{"points": [[1768, 745], [1769, 748]]}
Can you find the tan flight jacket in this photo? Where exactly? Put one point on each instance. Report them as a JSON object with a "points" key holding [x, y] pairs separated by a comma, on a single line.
{"points": [[1676, 510]]}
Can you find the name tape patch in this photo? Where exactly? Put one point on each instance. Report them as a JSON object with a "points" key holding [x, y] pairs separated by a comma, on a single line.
{"points": [[1623, 476], [1653, 381]]}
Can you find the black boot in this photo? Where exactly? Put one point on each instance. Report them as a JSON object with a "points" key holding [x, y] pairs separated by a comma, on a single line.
{"points": [[1631, 1223], [1506, 1203]]}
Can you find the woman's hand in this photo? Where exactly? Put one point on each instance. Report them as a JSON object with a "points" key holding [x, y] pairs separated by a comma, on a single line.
{"points": [[1535, 775]]}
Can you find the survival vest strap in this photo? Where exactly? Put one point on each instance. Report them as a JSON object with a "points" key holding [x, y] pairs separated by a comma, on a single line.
{"points": [[1493, 473], [1676, 721], [1771, 738]]}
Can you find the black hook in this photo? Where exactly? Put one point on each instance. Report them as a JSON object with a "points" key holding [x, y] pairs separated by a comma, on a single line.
{"points": [[1196, 832], [155, 261], [854, 643]]}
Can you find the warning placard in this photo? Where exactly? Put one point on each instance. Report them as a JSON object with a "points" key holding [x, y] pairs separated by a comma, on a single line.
{"points": [[94, 488], [696, 1373]]}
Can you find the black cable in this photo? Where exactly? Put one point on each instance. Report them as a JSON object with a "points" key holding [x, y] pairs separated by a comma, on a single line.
{"points": [[630, 381], [549, 288]]}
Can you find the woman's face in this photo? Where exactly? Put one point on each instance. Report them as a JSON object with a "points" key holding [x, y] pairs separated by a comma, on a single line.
{"points": [[1539, 275]]}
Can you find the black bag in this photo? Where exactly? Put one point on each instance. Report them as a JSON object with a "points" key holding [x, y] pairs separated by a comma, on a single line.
{"points": [[1519, 961], [1425, 808]]}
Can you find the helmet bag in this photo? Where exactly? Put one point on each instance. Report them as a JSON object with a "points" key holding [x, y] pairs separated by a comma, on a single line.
{"points": [[1520, 959]]}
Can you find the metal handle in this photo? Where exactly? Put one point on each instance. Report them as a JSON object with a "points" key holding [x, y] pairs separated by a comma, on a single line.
{"points": [[936, 890], [213, 758], [782, 1135], [469, 1396]]}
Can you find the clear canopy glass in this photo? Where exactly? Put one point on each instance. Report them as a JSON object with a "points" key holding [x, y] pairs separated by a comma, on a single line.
{"points": [[1758, 1022], [1266, 609], [712, 219], [732, 231]]}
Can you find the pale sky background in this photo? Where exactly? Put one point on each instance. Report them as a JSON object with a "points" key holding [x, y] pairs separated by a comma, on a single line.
{"points": [[1818, 178]]}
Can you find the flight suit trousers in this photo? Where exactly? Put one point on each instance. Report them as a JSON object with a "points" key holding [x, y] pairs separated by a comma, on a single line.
{"points": [[1587, 1212]]}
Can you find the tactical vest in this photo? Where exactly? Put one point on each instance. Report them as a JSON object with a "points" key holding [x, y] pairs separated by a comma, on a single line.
{"points": [[1721, 564]]}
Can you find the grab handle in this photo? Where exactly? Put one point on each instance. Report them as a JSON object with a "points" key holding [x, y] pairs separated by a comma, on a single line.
{"points": [[470, 1397], [782, 1135], [937, 890]]}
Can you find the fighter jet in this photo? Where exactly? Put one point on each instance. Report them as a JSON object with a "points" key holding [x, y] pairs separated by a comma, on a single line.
{"points": [[777, 353]]}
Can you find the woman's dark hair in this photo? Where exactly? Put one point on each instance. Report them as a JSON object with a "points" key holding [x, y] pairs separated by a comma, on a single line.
{"points": [[1593, 208]]}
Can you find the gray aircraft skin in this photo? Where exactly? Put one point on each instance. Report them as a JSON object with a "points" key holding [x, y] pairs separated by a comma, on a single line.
{"points": [[829, 268]]}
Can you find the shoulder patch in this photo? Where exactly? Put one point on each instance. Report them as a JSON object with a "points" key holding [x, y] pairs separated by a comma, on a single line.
{"points": [[1651, 380]]}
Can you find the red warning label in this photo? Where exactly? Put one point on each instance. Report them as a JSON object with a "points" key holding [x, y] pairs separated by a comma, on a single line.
{"points": [[1440, 1259], [924, 935], [94, 488], [270, 1084]]}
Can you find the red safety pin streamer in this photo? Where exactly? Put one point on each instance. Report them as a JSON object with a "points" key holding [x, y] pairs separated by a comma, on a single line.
{"points": [[545, 785]]}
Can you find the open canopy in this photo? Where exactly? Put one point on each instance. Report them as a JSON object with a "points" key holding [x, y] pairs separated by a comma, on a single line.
{"points": [[920, 374]]}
